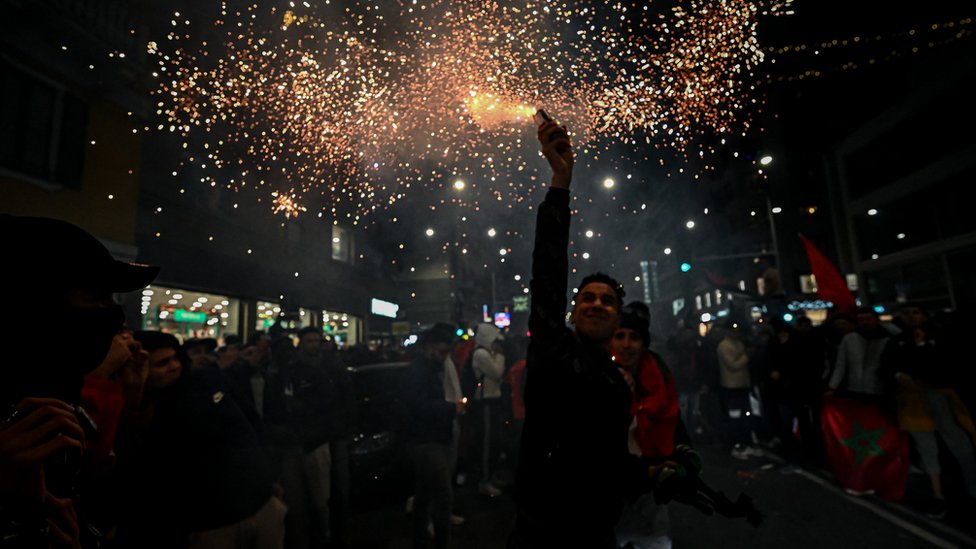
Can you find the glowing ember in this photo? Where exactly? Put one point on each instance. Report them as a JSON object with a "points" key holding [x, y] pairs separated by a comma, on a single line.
{"points": [[351, 108]]}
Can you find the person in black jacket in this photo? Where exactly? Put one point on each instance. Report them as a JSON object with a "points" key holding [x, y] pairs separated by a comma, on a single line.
{"points": [[429, 431], [200, 476], [574, 471], [300, 421], [62, 277]]}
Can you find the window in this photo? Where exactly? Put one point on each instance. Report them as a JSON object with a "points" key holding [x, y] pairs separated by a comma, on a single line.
{"points": [[808, 284], [342, 249], [43, 129]]}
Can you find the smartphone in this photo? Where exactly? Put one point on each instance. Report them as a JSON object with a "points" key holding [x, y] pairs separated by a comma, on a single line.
{"points": [[541, 117]]}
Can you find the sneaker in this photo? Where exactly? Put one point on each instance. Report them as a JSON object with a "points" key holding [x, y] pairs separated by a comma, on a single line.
{"points": [[456, 520], [409, 505], [937, 510], [488, 489]]}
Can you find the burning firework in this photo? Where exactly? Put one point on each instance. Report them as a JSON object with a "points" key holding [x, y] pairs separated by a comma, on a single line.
{"points": [[356, 105]]}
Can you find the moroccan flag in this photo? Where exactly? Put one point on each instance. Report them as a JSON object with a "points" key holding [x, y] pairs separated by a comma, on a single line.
{"points": [[830, 284], [865, 448]]}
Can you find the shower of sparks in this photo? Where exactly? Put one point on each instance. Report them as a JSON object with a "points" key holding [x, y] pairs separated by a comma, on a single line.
{"points": [[286, 205], [351, 108]]}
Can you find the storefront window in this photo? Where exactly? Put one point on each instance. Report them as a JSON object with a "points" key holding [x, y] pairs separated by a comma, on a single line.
{"points": [[268, 314], [187, 313], [343, 328]]}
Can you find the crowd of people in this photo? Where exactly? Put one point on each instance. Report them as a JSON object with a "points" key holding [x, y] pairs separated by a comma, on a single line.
{"points": [[762, 387], [115, 438]]}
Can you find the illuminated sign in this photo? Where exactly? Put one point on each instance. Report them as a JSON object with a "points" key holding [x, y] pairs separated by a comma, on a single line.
{"points": [[503, 320], [520, 304], [182, 315], [814, 305], [384, 308]]}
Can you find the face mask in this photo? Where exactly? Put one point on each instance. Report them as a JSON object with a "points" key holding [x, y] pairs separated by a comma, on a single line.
{"points": [[57, 369]]}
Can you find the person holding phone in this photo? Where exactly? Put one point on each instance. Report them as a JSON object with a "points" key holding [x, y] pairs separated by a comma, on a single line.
{"points": [[574, 470], [63, 277]]}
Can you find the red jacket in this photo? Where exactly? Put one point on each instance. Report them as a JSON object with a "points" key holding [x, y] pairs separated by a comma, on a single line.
{"points": [[655, 407], [515, 382]]}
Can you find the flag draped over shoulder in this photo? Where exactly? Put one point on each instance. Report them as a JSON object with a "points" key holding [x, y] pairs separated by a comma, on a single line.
{"points": [[865, 448], [830, 284]]}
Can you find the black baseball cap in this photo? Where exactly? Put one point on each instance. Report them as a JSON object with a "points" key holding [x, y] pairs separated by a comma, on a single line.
{"points": [[45, 251], [208, 342]]}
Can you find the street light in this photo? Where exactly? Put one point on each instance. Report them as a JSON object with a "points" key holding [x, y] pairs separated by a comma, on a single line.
{"points": [[766, 160]]}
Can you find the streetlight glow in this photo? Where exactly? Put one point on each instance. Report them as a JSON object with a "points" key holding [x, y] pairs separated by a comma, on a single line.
{"points": [[766, 160], [459, 184], [690, 224], [608, 183]]}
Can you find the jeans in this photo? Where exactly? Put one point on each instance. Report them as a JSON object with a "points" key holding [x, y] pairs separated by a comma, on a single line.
{"points": [[689, 403], [433, 493]]}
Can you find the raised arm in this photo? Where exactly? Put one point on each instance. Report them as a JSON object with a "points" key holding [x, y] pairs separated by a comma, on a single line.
{"points": [[550, 265]]}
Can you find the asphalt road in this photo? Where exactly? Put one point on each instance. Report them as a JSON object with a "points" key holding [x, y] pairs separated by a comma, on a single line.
{"points": [[803, 508]]}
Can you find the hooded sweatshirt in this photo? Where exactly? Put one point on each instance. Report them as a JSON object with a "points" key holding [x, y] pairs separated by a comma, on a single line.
{"points": [[488, 365]]}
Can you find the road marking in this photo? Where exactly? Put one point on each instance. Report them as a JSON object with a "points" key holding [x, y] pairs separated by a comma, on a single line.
{"points": [[930, 537]]}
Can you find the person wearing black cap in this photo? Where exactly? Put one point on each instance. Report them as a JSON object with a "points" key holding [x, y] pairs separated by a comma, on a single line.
{"points": [[59, 275], [201, 351], [429, 432], [574, 469], [200, 477]]}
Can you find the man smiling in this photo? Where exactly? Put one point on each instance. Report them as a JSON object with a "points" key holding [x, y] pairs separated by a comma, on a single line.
{"points": [[574, 469]]}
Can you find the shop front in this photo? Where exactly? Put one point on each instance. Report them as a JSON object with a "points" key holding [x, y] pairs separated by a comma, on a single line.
{"points": [[343, 328], [188, 314]]}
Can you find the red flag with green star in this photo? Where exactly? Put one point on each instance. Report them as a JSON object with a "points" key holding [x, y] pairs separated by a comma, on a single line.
{"points": [[865, 448]]}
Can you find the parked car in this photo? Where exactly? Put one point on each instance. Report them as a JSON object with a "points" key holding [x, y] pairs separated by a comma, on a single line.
{"points": [[379, 465]]}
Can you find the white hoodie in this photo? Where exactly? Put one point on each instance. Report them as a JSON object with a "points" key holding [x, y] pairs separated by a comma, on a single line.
{"points": [[487, 363]]}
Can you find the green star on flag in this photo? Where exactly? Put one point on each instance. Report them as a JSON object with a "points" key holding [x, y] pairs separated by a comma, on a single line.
{"points": [[864, 443]]}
